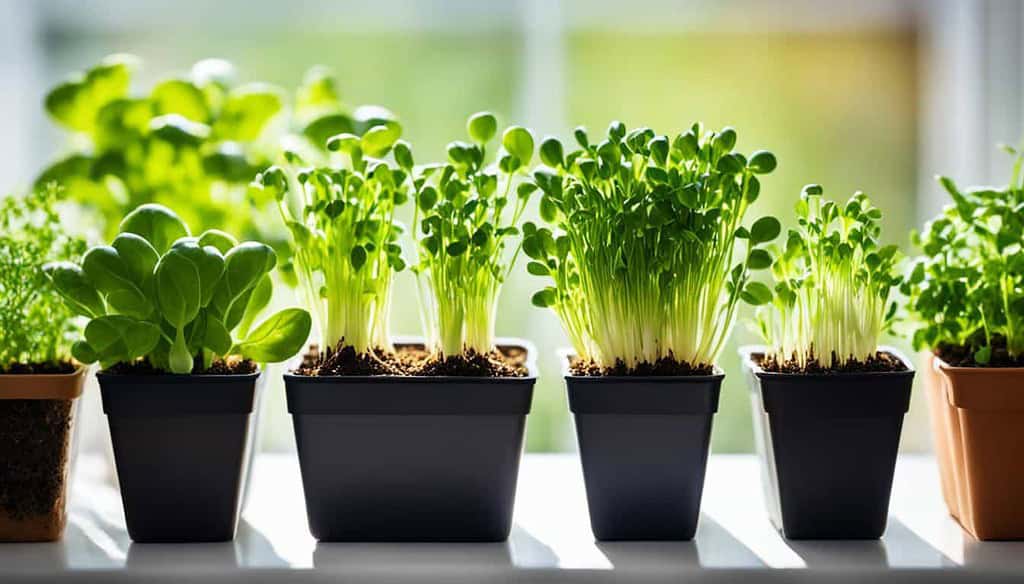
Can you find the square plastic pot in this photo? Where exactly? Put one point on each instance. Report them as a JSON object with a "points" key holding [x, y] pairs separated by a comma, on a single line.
{"points": [[38, 439], [386, 458], [981, 419], [643, 444], [827, 445], [181, 444]]}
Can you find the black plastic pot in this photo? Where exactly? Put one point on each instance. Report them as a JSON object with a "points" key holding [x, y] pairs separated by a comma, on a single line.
{"points": [[644, 446], [180, 447], [828, 445], [409, 458]]}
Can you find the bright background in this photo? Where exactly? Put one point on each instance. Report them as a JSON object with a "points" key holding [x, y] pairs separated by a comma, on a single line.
{"points": [[873, 95]]}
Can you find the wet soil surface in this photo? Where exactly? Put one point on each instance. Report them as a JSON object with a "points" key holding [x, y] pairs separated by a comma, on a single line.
{"points": [[879, 363], [413, 360], [48, 368], [663, 367], [963, 356], [218, 367], [34, 435]]}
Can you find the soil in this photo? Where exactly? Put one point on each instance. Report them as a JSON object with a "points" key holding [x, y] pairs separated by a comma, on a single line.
{"points": [[963, 356], [231, 366], [663, 367], [48, 368], [413, 360], [879, 363], [34, 437]]}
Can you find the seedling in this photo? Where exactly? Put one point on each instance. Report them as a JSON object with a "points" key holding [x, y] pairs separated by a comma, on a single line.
{"points": [[176, 300], [833, 285], [643, 255]]}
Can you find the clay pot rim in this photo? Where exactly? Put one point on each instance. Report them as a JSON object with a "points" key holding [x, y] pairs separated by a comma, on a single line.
{"points": [[43, 385], [939, 364]]}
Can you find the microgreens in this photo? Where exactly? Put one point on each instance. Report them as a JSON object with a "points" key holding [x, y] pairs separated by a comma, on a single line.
{"points": [[35, 325], [464, 232], [344, 234], [833, 284], [968, 287], [157, 292], [643, 259]]}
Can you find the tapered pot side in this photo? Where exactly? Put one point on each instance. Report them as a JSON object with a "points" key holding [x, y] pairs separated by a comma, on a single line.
{"points": [[180, 448], [643, 445], [941, 417], [38, 419], [389, 458], [828, 446], [984, 429]]}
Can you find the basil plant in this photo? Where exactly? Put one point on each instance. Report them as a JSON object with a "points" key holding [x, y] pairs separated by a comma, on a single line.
{"points": [[179, 301]]}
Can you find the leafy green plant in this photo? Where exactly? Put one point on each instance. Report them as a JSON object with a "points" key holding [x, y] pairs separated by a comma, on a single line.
{"points": [[177, 300], [467, 211], [344, 234], [833, 285], [643, 259], [35, 325], [966, 291]]}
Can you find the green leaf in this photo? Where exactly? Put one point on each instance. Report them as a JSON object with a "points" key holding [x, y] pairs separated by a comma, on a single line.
{"points": [[76, 289], [208, 261], [518, 142], [246, 112], [156, 224], [764, 229], [118, 339], [357, 257], [756, 294], [138, 256], [378, 140], [278, 338], [538, 269], [759, 260], [551, 152], [178, 289], [983, 355], [178, 96], [544, 298], [762, 162], [220, 240], [106, 270], [482, 126]]}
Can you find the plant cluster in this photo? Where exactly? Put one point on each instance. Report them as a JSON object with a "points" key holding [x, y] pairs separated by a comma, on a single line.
{"points": [[466, 212], [176, 300], [833, 286], [643, 257], [198, 138], [966, 291], [35, 325], [344, 234]]}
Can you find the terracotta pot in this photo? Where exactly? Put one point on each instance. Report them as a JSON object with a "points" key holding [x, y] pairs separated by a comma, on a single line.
{"points": [[37, 419], [941, 415], [986, 438]]}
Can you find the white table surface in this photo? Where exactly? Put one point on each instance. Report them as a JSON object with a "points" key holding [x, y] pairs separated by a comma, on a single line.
{"points": [[551, 540]]}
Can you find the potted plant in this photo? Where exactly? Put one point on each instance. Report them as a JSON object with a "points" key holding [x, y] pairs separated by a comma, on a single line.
{"points": [[647, 275], [828, 402], [966, 293], [172, 324], [39, 383], [419, 441]]}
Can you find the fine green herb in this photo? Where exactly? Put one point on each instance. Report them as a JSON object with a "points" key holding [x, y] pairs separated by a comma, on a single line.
{"points": [[466, 213], [177, 300], [967, 289], [833, 284], [35, 325], [643, 258], [344, 234]]}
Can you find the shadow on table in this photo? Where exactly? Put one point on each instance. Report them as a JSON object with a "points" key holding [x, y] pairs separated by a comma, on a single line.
{"points": [[713, 547], [899, 548], [996, 555], [411, 562], [249, 549]]}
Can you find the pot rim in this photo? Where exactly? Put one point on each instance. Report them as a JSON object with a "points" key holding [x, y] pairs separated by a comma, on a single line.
{"points": [[528, 346], [180, 377], [747, 353], [54, 385], [566, 353], [939, 364]]}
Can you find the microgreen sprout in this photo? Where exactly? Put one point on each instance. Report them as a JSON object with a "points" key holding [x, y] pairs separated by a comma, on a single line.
{"points": [[643, 256], [467, 212], [344, 236], [833, 285], [967, 290]]}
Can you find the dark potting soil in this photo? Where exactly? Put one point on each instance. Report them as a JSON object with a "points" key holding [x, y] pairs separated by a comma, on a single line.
{"points": [[963, 356], [230, 366], [663, 367], [408, 360], [878, 363], [47, 368], [33, 455]]}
